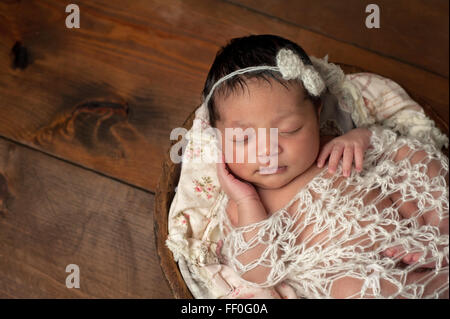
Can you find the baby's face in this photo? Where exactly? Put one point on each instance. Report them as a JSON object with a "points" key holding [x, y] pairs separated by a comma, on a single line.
{"points": [[264, 105]]}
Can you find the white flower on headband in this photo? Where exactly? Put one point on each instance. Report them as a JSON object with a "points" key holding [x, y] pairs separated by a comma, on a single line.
{"points": [[292, 67]]}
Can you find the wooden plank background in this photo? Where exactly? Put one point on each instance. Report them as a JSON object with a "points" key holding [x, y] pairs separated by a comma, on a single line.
{"points": [[56, 214], [412, 31], [84, 125]]}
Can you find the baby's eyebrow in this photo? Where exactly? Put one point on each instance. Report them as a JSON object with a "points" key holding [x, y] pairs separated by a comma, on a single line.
{"points": [[240, 124], [244, 124]]}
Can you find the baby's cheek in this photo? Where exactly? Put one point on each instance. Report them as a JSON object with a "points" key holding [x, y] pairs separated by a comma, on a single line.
{"points": [[235, 152], [240, 170]]}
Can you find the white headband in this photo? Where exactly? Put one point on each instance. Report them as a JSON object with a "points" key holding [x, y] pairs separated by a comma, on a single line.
{"points": [[290, 66]]}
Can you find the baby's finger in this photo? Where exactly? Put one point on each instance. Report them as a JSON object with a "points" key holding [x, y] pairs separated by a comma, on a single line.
{"points": [[335, 156], [220, 174], [324, 153], [347, 161], [220, 161], [359, 158], [411, 258], [222, 170], [394, 251]]}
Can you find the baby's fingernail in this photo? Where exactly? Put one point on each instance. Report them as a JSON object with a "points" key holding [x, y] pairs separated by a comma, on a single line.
{"points": [[391, 252]]}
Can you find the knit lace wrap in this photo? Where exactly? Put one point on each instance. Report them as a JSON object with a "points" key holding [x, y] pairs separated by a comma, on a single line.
{"points": [[328, 240]]}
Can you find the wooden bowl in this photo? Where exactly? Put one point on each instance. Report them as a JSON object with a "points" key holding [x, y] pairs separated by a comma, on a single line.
{"points": [[169, 180]]}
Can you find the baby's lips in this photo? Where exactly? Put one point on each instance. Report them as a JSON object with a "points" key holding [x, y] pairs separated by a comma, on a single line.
{"points": [[268, 170]]}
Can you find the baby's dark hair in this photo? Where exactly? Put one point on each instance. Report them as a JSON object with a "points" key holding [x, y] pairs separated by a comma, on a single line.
{"points": [[245, 52]]}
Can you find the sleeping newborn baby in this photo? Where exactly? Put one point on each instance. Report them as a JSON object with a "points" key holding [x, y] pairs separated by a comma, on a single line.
{"points": [[329, 233]]}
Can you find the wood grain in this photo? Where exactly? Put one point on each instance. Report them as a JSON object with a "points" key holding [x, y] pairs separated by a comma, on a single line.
{"points": [[53, 214], [106, 96], [411, 31]]}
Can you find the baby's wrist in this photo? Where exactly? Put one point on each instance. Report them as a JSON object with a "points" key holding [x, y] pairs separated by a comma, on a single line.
{"points": [[250, 211], [367, 130], [247, 200]]}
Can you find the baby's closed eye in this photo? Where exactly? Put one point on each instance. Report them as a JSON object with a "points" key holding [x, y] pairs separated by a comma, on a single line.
{"points": [[292, 131]]}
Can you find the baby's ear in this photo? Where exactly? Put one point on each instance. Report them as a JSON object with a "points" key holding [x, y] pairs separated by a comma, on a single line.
{"points": [[319, 108]]}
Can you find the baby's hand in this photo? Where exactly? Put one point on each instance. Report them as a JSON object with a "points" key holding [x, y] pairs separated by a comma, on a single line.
{"points": [[236, 189], [351, 145], [408, 258]]}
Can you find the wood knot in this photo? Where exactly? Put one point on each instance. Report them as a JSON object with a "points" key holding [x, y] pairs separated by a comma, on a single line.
{"points": [[103, 107], [96, 125], [4, 195], [20, 56]]}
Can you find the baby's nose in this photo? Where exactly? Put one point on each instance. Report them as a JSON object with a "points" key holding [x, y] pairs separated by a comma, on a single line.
{"points": [[268, 147], [269, 150]]}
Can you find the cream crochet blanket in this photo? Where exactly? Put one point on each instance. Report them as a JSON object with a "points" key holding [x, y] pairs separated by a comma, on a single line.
{"points": [[328, 241]]}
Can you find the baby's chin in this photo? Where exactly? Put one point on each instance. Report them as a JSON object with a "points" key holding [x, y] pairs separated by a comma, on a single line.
{"points": [[266, 180], [271, 183]]}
